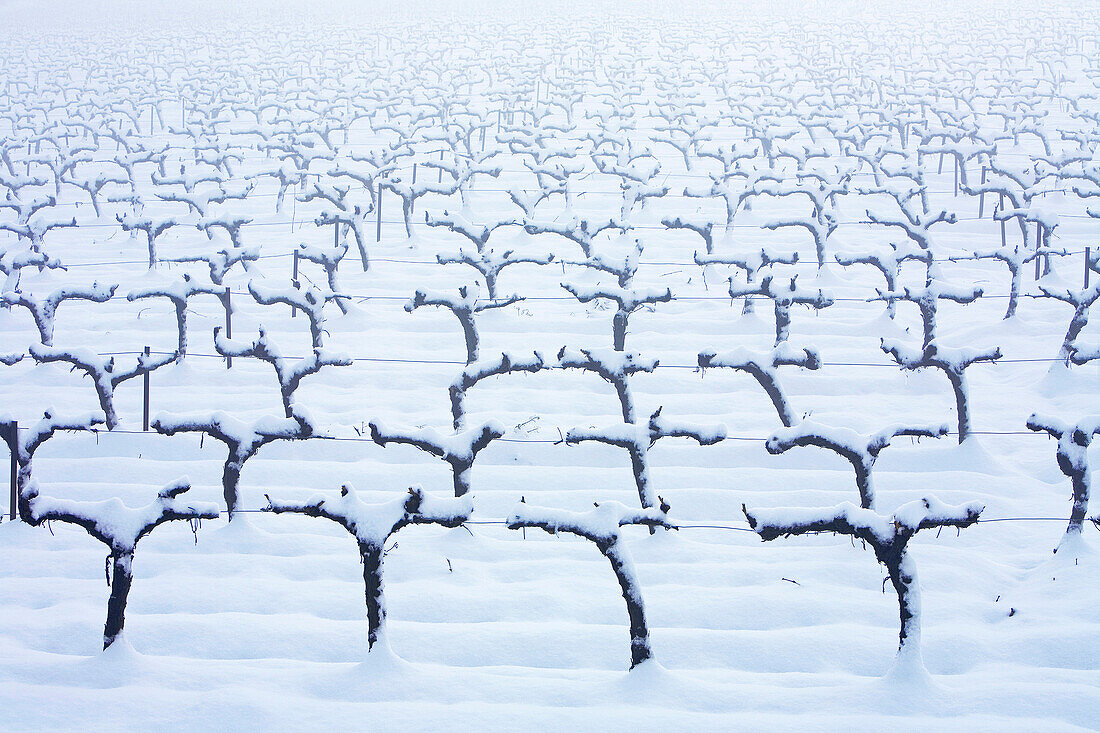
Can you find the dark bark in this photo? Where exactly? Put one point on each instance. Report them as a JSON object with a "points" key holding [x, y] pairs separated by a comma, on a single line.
{"points": [[639, 464], [618, 328], [1080, 481], [457, 394], [626, 398], [356, 231], [639, 633], [121, 580], [1076, 325], [890, 552], [768, 381], [461, 471], [1072, 457], [962, 406], [469, 331], [893, 556], [371, 541], [607, 541], [782, 322], [1013, 290], [231, 478], [371, 556]]}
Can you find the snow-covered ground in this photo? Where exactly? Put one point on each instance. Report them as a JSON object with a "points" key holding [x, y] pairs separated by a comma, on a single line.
{"points": [[261, 622]]}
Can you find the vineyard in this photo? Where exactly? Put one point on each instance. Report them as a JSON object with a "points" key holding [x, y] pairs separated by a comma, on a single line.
{"points": [[441, 366]]}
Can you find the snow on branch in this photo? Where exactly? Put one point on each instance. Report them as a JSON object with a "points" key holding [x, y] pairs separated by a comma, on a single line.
{"points": [[289, 372], [372, 525], [153, 228], [410, 192], [24, 447], [44, 309], [1082, 301], [915, 224], [953, 362], [309, 299], [820, 228], [888, 263], [750, 262], [35, 231], [243, 440], [477, 371], [14, 259], [102, 370], [887, 535], [763, 367], [49, 425], [1073, 446], [783, 298], [636, 440], [458, 450], [178, 292], [627, 300], [703, 229], [230, 224], [859, 449], [464, 307], [614, 367], [602, 526], [120, 528], [478, 234], [222, 261], [328, 257], [865, 524], [1014, 258], [581, 232], [490, 263]]}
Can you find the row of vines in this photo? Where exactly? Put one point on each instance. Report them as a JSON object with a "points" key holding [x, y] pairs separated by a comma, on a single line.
{"points": [[253, 180]]}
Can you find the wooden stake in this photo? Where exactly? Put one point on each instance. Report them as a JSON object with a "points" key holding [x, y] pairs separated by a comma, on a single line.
{"points": [[14, 470], [1002, 221], [145, 397], [981, 197], [294, 270], [228, 323], [378, 208]]}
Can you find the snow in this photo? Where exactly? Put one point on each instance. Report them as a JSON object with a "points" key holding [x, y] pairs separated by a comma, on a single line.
{"points": [[178, 289], [460, 445], [238, 432], [855, 516], [603, 521], [662, 148], [123, 526], [628, 299], [613, 362], [374, 523]]}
